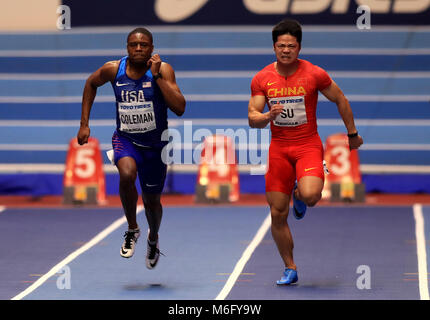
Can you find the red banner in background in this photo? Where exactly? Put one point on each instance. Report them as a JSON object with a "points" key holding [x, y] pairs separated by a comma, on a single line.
{"points": [[84, 172], [343, 164], [218, 169]]}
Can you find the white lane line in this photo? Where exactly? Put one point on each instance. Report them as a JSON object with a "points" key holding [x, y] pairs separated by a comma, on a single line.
{"points": [[103, 234], [244, 259], [421, 251]]}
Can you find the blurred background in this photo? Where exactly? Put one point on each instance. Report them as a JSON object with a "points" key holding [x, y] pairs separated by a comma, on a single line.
{"points": [[380, 60]]}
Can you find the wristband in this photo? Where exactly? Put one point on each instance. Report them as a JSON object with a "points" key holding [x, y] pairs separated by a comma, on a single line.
{"points": [[352, 135], [157, 76]]}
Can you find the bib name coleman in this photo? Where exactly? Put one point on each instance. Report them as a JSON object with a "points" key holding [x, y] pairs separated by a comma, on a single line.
{"points": [[137, 118]]}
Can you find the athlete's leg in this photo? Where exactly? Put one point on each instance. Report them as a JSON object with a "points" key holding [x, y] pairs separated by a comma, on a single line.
{"points": [[280, 179], [126, 160], [154, 213], [127, 189], [152, 175], [310, 172], [279, 205], [309, 190]]}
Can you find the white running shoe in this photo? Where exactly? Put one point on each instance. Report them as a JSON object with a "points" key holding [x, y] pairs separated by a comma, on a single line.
{"points": [[127, 248], [152, 254]]}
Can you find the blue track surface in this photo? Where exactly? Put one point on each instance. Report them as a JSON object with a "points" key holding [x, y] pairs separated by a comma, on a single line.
{"points": [[202, 246], [41, 238], [330, 244]]}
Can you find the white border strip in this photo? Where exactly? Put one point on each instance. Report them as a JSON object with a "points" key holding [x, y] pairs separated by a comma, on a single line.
{"points": [[55, 123], [219, 74], [396, 169], [239, 146], [215, 97], [62, 53], [115, 225], [377, 122], [383, 98], [212, 51], [43, 147], [44, 76], [15, 168], [224, 28], [235, 122], [421, 251], [53, 99], [365, 51], [396, 147], [245, 257]]}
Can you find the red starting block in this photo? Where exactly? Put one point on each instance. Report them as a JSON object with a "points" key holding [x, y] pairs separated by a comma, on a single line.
{"points": [[217, 177], [344, 181], [84, 180]]}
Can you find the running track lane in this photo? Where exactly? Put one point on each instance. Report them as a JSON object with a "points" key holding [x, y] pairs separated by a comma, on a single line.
{"points": [[201, 246], [381, 237], [330, 244], [34, 240]]}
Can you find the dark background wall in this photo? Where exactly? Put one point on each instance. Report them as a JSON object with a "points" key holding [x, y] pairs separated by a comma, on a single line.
{"points": [[244, 12]]}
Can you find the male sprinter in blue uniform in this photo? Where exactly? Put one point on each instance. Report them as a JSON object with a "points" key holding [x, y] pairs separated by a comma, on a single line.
{"points": [[144, 88]]}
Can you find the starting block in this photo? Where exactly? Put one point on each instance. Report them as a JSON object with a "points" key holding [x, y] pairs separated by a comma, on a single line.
{"points": [[344, 181], [217, 177], [84, 180]]}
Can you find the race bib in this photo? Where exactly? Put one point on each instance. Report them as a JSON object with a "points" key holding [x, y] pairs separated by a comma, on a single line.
{"points": [[136, 117], [294, 112]]}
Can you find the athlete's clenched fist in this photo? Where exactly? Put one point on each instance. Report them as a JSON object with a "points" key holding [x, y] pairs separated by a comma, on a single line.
{"points": [[155, 63]]}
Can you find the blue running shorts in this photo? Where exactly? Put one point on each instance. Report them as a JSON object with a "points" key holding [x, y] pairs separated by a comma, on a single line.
{"points": [[150, 167]]}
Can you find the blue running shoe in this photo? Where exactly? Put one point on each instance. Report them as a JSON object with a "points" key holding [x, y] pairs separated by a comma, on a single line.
{"points": [[289, 277], [298, 206]]}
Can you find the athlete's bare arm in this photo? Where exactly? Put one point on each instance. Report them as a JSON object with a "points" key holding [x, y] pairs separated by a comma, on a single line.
{"points": [[335, 94], [104, 74], [256, 117], [167, 84]]}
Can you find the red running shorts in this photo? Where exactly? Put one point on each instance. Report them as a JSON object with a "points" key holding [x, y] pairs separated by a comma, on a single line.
{"points": [[291, 160]]}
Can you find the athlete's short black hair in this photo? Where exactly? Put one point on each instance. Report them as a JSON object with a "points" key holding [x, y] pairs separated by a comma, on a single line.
{"points": [[140, 30], [287, 26]]}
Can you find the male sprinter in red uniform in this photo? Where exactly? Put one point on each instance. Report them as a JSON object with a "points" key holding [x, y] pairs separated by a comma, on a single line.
{"points": [[290, 88]]}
